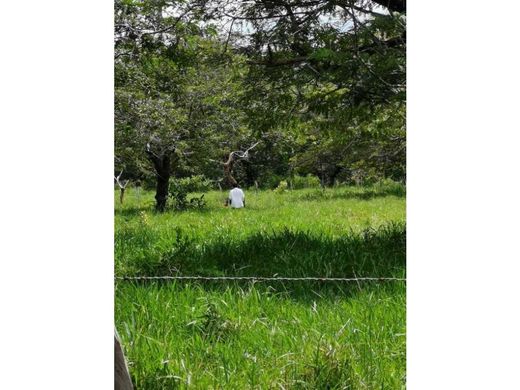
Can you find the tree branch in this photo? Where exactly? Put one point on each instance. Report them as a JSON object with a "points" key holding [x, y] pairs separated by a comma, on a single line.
{"points": [[392, 5], [370, 48]]}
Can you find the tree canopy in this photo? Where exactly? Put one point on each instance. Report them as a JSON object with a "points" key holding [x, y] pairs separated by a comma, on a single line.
{"points": [[321, 85]]}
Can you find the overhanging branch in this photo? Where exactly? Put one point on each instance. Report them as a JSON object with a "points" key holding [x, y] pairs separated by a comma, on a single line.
{"points": [[392, 5]]}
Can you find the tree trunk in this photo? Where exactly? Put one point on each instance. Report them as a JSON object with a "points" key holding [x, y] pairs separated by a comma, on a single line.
{"points": [[336, 170], [161, 191], [163, 171], [121, 195], [229, 180]]}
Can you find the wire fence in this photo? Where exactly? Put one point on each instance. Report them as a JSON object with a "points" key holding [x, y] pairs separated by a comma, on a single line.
{"points": [[262, 278]]}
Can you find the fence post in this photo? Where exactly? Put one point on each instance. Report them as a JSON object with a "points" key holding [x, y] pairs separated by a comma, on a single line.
{"points": [[122, 379]]}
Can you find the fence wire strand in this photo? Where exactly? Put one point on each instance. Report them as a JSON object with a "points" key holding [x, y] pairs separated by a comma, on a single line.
{"points": [[261, 278]]}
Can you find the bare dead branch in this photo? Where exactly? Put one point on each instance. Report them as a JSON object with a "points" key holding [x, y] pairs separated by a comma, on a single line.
{"points": [[228, 165], [244, 154], [121, 185]]}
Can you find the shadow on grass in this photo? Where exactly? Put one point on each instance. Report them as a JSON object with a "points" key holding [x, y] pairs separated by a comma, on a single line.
{"points": [[133, 211], [303, 292], [371, 253], [363, 194]]}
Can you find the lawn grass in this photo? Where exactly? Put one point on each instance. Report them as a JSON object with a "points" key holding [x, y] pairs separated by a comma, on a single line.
{"points": [[263, 335]]}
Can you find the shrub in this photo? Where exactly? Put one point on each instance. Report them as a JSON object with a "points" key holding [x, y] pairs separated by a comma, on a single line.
{"points": [[282, 187], [179, 196], [270, 180], [197, 183], [198, 202], [309, 181]]}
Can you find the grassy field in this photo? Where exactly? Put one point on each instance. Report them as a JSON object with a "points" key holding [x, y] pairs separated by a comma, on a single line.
{"points": [[265, 335]]}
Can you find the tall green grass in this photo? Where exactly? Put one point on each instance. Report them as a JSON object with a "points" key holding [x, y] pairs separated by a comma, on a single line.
{"points": [[188, 336], [292, 335]]}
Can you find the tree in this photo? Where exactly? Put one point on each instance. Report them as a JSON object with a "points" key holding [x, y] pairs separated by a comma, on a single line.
{"points": [[122, 186], [320, 83], [324, 67], [176, 92], [160, 156]]}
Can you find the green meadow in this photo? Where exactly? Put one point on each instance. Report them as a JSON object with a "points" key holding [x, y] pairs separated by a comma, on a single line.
{"points": [[257, 334]]}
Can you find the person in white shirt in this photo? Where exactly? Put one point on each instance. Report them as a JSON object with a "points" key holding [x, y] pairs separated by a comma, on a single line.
{"points": [[237, 198]]}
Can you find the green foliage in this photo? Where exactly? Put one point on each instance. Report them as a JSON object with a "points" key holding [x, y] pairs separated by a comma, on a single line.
{"points": [[179, 196], [270, 180], [391, 187], [197, 183], [212, 325], [309, 181], [380, 189], [282, 187], [339, 112], [179, 87], [198, 202]]}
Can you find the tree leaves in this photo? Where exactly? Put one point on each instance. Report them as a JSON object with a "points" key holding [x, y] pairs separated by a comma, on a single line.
{"points": [[315, 81]]}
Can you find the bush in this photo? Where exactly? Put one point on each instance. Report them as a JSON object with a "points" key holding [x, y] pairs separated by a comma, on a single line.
{"points": [[179, 196], [309, 181], [270, 180], [198, 202], [198, 183], [282, 187]]}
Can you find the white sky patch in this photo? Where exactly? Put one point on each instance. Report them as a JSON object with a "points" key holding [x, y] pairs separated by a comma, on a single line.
{"points": [[239, 31]]}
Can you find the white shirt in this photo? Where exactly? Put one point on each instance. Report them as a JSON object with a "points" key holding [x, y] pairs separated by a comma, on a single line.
{"points": [[237, 197]]}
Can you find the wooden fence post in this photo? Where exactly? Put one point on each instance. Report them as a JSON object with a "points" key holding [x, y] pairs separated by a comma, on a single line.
{"points": [[122, 379]]}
